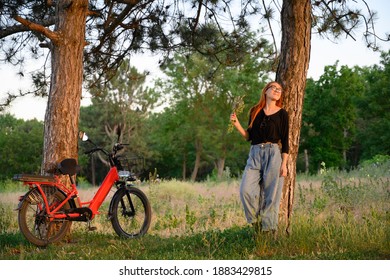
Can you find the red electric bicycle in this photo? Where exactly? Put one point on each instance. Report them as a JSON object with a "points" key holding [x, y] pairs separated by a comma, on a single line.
{"points": [[47, 210]]}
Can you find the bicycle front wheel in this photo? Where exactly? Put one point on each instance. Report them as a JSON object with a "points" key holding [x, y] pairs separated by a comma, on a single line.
{"points": [[34, 223], [130, 212]]}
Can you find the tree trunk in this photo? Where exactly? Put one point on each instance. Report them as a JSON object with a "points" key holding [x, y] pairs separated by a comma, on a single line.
{"points": [[184, 168], [345, 133], [291, 74], [220, 165], [198, 150], [93, 174], [63, 108], [306, 161]]}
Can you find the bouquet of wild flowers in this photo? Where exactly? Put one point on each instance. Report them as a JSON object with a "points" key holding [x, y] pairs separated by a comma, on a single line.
{"points": [[238, 107]]}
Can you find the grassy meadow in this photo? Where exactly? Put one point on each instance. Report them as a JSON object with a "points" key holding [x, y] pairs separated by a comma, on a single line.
{"points": [[337, 216]]}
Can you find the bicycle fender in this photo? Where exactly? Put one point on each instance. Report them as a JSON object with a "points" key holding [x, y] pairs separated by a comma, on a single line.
{"points": [[29, 195], [21, 199], [35, 195]]}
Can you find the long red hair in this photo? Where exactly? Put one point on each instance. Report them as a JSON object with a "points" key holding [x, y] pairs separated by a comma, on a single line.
{"points": [[257, 108]]}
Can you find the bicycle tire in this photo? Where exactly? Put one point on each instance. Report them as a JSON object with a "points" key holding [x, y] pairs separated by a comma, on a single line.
{"points": [[130, 212], [32, 218]]}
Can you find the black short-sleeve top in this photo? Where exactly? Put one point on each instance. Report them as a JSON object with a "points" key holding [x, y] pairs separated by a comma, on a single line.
{"points": [[270, 128]]}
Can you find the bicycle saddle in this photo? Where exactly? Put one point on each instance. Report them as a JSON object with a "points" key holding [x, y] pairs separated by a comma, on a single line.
{"points": [[68, 166]]}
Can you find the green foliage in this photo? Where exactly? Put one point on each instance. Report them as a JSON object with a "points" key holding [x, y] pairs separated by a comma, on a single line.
{"points": [[6, 220], [343, 194], [320, 203], [190, 219], [374, 110], [346, 116], [10, 185], [376, 160], [21, 144], [329, 118]]}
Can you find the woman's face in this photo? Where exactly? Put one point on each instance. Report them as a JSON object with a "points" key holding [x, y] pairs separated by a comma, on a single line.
{"points": [[274, 91]]}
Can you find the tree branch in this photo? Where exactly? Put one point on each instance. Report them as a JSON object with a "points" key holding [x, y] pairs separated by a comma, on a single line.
{"points": [[53, 36], [22, 28], [198, 14], [337, 20], [10, 97], [130, 2], [267, 17]]}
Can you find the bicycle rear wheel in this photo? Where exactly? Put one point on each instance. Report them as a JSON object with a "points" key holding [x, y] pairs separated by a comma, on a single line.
{"points": [[130, 212], [33, 221]]}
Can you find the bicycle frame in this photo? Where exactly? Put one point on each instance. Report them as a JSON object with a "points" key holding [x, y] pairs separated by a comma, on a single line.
{"points": [[94, 204], [47, 210], [111, 177]]}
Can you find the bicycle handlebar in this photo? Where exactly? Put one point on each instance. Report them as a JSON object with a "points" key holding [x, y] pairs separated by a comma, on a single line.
{"points": [[117, 147], [112, 156], [94, 150]]}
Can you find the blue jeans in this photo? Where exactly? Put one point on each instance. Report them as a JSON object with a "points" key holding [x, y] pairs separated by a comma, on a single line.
{"points": [[261, 185]]}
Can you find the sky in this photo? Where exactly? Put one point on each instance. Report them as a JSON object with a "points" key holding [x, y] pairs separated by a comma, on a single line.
{"points": [[323, 53]]}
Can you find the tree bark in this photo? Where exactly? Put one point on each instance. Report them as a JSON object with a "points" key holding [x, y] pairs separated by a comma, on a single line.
{"points": [[93, 171], [306, 161], [198, 151], [291, 74], [220, 165], [184, 168], [63, 107]]}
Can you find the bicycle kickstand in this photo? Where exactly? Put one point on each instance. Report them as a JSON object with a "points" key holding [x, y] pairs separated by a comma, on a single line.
{"points": [[90, 228]]}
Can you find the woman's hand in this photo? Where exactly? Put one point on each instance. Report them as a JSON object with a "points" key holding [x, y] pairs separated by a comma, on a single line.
{"points": [[283, 167], [283, 170], [236, 123], [233, 117]]}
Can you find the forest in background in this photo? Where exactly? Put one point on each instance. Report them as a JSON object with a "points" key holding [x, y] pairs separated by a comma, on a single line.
{"points": [[178, 127]]}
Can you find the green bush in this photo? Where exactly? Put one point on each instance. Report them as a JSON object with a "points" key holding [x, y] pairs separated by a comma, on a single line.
{"points": [[11, 186]]}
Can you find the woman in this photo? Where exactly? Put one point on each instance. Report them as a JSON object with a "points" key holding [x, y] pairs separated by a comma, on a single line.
{"points": [[262, 182]]}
